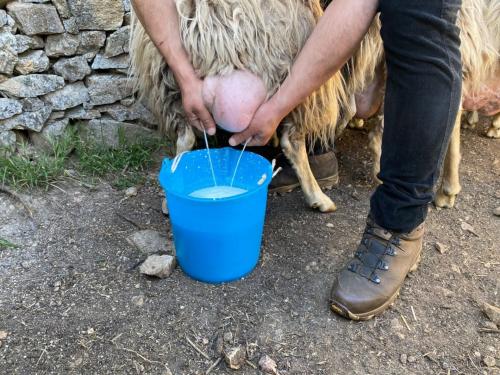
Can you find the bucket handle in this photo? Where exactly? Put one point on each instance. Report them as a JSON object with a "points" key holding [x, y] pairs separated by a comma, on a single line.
{"points": [[274, 173], [176, 161]]}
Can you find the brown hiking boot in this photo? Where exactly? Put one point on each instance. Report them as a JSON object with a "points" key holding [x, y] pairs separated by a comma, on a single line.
{"points": [[323, 166], [370, 282]]}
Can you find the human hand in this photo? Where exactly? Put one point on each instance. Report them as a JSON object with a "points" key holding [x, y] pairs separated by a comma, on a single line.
{"points": [[262, 127], [194, 106]]}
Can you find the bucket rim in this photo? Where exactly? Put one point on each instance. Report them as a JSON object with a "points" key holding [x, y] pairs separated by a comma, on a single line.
{"points": [[166, 164]]}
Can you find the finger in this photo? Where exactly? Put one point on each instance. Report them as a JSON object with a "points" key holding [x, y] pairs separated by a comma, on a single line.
{"points": [[257, 141], [195, 122], [207, 122], [240, 138]]}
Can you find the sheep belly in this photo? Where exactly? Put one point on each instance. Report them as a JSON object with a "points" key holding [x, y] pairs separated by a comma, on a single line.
{"points": [[486, 99]]}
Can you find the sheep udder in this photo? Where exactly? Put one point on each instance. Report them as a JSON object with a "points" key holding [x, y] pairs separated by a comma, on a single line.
{"points": [[233, 98]]}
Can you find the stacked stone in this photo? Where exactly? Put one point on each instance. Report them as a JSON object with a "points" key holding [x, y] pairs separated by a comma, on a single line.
{"points": [[62, 62]]}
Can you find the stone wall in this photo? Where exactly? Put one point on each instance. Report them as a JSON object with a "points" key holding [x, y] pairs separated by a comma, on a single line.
{"points": [[64, 62]]}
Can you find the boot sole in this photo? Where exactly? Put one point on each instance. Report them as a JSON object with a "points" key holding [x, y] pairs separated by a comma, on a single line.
{"points": [[343, 311], [324, 183]]}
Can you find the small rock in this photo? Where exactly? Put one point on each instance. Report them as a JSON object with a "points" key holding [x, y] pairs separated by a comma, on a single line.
{"points": [[126, 5], [51, 132], [56, 115], [8, 52], [492, 312], [228, 336], [330, 225], [62, 8], [160, 266], [477, 354], [149, 241], [127, 102], [32, 85], [441, 247], [26, 265], [131, 192], [72, 69], [138, 300], [91, 42], [24, 43], [97, 14], [3, 18], [32, 104], [489, 361], [11, 25], [27, 120], [268, 365], [107, 132], [107, 88], [412, 359], [137, 111], [117, 43], [80, 113], [69, 96], [468, 228], [62, 45], [36, 18], [9, 108], [164, 207], [7, 142], [3, 335], [117, 62], [455, 268], [71, 26], [496, 211], [235, 357], [32, 62], [403, 358]]}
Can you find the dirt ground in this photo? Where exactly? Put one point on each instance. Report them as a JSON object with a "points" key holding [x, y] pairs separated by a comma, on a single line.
{"points": [[73, 302]]}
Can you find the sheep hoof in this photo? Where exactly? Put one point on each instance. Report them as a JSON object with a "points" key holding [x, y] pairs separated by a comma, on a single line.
{"points": [[323, 203], [356, 123], [444, 200], [493, 132], [472, 120]]}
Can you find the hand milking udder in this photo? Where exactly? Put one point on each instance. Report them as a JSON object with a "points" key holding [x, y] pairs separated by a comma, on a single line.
{"points": [[234, 98]]}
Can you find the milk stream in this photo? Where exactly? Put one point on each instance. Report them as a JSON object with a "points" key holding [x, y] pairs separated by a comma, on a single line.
{"points": [[224, 191], [209, 157], [238, 162]]}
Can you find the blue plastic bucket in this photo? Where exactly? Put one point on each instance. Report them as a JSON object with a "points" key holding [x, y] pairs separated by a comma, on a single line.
{"points": [[217, 240]]}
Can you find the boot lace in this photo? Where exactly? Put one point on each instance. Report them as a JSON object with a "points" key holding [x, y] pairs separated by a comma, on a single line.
{"points": [[371, 255]]}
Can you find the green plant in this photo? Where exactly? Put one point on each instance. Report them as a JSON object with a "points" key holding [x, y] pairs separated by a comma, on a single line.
{"points": [[122, 165], [26, 169], [6, 244]]}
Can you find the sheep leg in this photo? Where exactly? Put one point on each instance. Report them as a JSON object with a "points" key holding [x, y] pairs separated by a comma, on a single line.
{"points": [[494, 130], [294, 147], [185, 139], [471, 120], [375, 145], [450, 184]]}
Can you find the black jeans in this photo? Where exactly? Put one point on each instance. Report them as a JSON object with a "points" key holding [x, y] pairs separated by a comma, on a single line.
{"points": [[421, 43]]}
